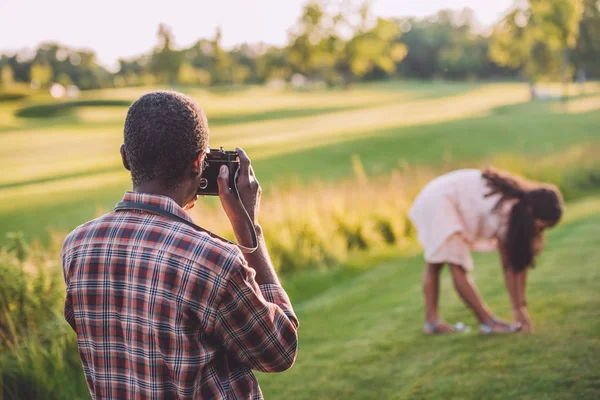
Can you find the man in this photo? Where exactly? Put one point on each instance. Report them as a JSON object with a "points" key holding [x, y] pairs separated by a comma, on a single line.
{"points": [[161, 310]]}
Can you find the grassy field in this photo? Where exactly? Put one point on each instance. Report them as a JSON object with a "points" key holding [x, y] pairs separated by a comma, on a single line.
{"points": [[362, 338], [339, 170], [56, 173]]}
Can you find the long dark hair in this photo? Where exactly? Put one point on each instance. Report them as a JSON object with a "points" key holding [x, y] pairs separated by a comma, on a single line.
{"points": [[534, 202]]}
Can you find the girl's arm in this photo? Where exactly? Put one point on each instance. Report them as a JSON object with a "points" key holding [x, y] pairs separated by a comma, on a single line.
{"points": [[516, 284]]}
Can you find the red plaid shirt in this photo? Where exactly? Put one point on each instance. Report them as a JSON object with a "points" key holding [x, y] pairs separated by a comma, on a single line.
{"points": [[163, 311]]}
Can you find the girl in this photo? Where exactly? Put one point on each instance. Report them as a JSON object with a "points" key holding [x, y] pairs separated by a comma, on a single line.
{"points": [[482, 210]]}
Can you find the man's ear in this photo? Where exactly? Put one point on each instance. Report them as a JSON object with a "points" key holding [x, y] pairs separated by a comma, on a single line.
{"points": [[124, 158], [198, 163]]}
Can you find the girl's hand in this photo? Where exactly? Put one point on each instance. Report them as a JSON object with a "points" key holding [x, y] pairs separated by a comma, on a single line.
{"points": [[522, 315]]}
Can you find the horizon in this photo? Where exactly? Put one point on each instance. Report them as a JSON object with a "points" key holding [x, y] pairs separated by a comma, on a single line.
{"points": [[123, 42]]}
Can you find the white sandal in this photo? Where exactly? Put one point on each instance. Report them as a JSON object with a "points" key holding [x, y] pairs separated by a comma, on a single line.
{"points": [[487, 329], [430, 328]]}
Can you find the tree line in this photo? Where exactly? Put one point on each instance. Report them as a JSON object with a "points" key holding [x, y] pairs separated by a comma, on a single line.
{"points": [[340, 43]]}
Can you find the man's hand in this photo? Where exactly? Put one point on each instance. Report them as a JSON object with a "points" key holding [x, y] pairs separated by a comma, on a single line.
{"points": [[250, 192], [522, 315]]}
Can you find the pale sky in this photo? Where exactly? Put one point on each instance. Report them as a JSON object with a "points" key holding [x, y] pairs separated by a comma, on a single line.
{"points": [[124, 28]]}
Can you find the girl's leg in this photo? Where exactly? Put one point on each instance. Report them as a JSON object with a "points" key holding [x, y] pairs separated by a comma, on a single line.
{"points": [[431, 293], [468, 292]]}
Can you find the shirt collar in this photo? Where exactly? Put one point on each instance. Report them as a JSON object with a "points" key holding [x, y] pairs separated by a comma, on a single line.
{"points": [[163, 202]]}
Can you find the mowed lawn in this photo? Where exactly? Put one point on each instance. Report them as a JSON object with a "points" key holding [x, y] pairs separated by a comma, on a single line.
{"points": [[362, 338], [56, 173]]}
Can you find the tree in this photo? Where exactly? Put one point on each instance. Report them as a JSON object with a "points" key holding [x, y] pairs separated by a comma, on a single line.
{"points": [[190, 75], [308, 51], [166, 61], [586, 56], [464, 59], [425, 39], [557, 22], [6, 76], [537, 36], [41, 74], [221, 68], [371, 48], [273, 64], [326, 43]]}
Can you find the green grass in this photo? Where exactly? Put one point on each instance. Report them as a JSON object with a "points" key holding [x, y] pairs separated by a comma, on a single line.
{"points": [[356, 291], [362, 338], [360, 329], [55, 173]]}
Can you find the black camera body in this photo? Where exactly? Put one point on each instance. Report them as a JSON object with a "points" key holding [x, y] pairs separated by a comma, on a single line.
{"points": [[213, 162]]}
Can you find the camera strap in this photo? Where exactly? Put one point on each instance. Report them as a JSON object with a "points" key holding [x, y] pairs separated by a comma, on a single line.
{"points": [[134, 206]]}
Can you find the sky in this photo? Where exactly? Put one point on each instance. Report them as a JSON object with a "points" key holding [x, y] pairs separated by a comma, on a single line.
{"points": [[125, 28]]}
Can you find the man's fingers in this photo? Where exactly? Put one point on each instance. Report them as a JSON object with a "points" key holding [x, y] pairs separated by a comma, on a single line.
{"points": [[244, 162], [223, 180]]}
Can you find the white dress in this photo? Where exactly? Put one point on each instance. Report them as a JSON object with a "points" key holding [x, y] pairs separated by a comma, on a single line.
{"points": [[452, 217]]}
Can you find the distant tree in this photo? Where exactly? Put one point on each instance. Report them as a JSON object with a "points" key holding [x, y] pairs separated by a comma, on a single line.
{"points": [[245, 60], [330, 43], [221, 66], [425, 39], [557, 22], [464, 59], [166, 61], [273, 63], [200, 54], [307, 51], [64, 80], [464, 55], [537, 36], [41, 74], [6, 75], [190, 75], [586, 55], [370, 48], [131, 71]]}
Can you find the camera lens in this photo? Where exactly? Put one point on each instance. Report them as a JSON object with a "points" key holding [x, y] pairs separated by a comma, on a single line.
{"points": [[203, 183]]}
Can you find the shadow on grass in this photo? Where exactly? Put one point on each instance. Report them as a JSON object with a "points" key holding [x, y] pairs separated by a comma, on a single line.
{"points": [[48, 110], [55, 178]]}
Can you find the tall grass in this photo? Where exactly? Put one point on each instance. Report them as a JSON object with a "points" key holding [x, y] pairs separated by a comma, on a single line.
{"points": [[38, 352], [322, 225]]}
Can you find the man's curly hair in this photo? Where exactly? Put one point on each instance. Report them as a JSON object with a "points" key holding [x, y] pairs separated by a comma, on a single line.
{"points": [[164, 132]]}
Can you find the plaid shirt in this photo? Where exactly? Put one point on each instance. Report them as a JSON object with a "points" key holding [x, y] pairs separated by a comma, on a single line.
{"points": [[163, 311]]}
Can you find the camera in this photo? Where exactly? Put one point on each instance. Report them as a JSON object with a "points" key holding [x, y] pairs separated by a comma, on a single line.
{"points": [[213, 162]]}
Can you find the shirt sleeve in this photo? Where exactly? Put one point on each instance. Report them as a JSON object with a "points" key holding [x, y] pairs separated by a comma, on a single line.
{"points": [[68, 309], [257, 324]]}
